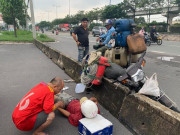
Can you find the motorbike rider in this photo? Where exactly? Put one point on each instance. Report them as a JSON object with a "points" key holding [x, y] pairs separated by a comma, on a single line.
{"points": [[107, 36], [153, 32]]}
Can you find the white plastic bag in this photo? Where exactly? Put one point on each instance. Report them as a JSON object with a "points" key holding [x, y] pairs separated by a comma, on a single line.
{"points": [[151, 87], [80, 87]]}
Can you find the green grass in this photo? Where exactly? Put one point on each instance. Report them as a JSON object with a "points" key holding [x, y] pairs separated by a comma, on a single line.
{"points": [[23, 36]]}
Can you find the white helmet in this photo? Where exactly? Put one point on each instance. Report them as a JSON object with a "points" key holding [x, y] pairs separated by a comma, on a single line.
{"points": [[89, 109]]}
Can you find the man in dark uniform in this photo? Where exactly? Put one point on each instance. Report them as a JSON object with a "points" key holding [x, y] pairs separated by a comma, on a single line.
{"points": [[153, 32], [82, 39]]}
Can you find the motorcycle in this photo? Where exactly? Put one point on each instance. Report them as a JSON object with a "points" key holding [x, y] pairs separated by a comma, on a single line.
{"points": [[158, 39], [57, 32], [134, 78], [147, 39]]}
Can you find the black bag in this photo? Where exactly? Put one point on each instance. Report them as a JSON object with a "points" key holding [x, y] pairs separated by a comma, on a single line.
{"points": [[114, 71]]}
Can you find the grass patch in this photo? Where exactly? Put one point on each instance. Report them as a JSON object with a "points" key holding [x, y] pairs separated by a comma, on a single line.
{"points": [[23, 36]]}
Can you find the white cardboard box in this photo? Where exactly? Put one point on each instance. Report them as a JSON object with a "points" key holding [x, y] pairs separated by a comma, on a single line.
{"points": [[96, 126]]}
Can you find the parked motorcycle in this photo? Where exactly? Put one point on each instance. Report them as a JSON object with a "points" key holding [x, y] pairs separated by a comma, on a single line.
{"points": [[134, 78], [147, 39]]}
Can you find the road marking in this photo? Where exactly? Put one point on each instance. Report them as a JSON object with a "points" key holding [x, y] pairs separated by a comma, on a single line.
{"points": [[157, 52]]}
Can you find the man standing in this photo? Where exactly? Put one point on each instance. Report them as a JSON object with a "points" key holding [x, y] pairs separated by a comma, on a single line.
{"points": [[82, 41], [35, 110]]}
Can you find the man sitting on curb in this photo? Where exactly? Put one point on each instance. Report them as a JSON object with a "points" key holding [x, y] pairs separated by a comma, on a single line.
{"points": [[35, 110], [72, 108]]}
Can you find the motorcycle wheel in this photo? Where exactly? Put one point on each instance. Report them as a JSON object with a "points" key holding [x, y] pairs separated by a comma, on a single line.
{"points": [[159, 41]]}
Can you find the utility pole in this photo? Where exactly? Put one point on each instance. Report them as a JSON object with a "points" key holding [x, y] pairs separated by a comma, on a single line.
{"points": [[56, 9], [168, 18], [110, 2], [32, 19], [69, 7]]}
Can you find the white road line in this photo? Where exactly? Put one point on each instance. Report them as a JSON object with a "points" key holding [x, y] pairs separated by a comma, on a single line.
{"points": [[156, 51]]}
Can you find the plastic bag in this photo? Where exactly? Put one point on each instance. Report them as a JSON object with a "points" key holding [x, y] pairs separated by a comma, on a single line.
{"points": [[80, 88], [151, 87]]}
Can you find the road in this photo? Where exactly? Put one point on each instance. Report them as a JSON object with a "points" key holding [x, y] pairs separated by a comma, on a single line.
{"points": [[164, 60], [22, 66]]}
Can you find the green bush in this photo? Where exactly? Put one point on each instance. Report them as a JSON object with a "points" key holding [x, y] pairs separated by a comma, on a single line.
{"points": [[19, 32], [43, 36], [175, 29]]}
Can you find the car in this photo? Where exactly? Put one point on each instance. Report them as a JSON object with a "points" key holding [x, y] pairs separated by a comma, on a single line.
{"points": [[64, 29], [98, 30]]}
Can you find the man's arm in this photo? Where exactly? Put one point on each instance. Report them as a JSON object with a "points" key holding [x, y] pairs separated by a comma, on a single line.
{"points": [[64, 112], [75, 39]]}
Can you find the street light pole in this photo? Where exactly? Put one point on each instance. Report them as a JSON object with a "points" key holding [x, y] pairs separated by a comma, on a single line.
{"points": [[32, 19], [69, 7], [168, 18]]}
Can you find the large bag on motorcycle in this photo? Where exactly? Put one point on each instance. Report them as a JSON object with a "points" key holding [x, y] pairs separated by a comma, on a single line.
{"points": [[136, 44], [121, 39], [114, 71], [124, 25], [117, 55]]}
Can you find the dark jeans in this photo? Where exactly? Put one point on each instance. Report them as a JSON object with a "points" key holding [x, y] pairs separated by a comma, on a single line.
{"points": [[82, 52]]}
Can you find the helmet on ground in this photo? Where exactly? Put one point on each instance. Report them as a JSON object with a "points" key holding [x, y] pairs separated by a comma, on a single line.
{"points": [[89, 109]]}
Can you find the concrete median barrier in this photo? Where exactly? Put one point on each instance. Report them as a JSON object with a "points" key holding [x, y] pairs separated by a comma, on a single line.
{"points": [[148, 117], [139, 113]]}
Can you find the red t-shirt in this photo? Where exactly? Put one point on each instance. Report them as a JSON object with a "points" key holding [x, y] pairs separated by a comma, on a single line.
{"points": [[74, 108], [38, 99]]}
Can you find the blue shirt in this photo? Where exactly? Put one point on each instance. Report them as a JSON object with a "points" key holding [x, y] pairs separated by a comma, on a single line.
{"points": [[108, 35]]}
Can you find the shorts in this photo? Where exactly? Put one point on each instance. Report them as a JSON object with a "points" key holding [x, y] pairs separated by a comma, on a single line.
{"points": [[66, 98], [41, 118]]}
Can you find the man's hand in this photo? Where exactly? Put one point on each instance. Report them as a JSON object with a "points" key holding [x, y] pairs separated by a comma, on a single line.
{"points": [[101, 43], [78, 43], [97, 39], [59, 104]]}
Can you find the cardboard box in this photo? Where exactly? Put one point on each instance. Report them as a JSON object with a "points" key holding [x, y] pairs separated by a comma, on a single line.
{"points": [[96, 126]]}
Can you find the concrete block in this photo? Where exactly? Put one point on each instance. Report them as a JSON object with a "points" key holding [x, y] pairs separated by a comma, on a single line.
{"points": [[148, 117], [111, 95]]}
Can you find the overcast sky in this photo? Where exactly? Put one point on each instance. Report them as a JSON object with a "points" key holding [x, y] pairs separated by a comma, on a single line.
{"points": [[44, 7]]}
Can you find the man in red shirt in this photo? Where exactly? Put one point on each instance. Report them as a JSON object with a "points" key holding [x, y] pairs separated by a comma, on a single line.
{"points": [[35, 110], [72, 108]]}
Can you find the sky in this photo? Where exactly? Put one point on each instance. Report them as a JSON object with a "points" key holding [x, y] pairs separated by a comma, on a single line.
{"points": [[46, 9]]}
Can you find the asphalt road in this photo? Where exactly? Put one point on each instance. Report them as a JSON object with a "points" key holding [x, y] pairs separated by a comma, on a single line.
{"points": [[21, 68], [164, 60]]}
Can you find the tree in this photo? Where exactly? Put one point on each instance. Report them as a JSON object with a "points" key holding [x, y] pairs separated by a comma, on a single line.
{"points": [[13, 10], [93, 14], [44, 24], [134, 5], [140, 20], [113, 11], [151, 5]]}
